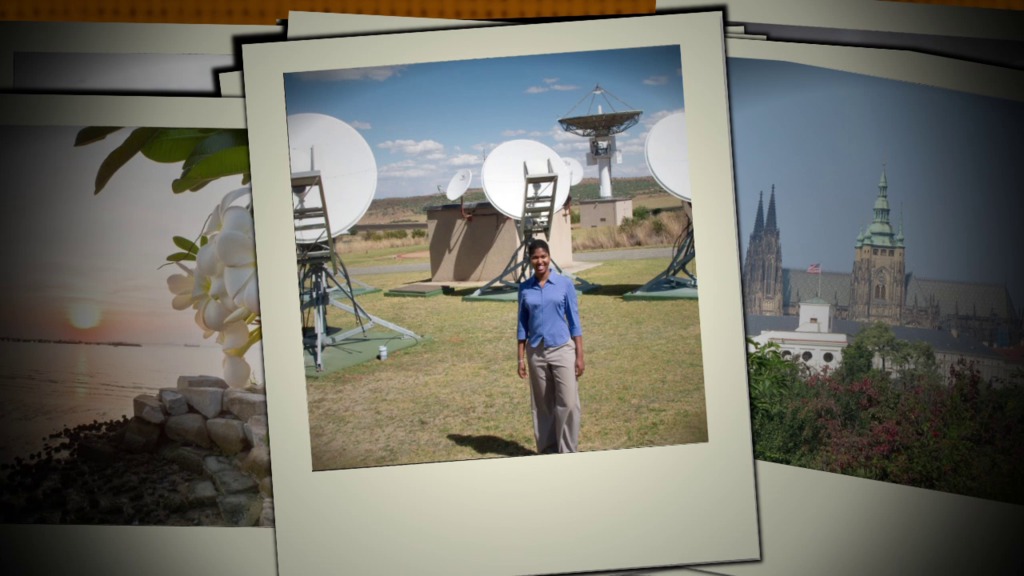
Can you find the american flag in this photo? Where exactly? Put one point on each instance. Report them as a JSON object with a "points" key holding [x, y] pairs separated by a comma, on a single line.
{"points": [[814, 269]]}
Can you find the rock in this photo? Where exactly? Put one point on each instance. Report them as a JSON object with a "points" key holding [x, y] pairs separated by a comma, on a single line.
{"points": [[233, 482], [241, 509], [256, 431], [267, 514], [141, 435], [213, 464], [257, 462], [189, 428], [149, 408], [245, 405], [188, 458], [202, 493], [227, 434], [173, 402], [201, 382], [207, 401], [267, 487]]}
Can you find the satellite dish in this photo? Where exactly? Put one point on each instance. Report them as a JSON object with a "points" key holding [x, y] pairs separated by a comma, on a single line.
{"points": [[459, 183], [348, 170], [504, 180], [666, 155], [575, 170]]}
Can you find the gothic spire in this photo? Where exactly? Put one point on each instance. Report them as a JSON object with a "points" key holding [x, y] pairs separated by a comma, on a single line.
{"points": [[770, 224], [759, 219]]}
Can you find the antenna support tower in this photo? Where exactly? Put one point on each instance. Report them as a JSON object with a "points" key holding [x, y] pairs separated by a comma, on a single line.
{"points": [[537, 216], [601, 128], [319, 268]]}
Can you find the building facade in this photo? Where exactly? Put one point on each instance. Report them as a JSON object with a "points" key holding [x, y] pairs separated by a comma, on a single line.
{"points": [[878, 288]]}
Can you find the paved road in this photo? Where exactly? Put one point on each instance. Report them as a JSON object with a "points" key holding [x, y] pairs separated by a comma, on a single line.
{"points": [[596, 256]]}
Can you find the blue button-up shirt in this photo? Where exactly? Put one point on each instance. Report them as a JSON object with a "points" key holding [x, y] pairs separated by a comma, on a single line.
{"points": [[548, 315]]}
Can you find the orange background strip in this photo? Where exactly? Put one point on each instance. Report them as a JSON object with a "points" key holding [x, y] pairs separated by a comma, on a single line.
{"points": [[269, 11]]}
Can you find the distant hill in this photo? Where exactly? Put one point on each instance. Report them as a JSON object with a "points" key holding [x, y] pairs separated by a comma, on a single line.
{"points": [[413, 208]]}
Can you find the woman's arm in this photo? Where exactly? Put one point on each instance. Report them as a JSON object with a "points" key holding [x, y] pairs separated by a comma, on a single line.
{"points": [[580, 364], [521, 355]]}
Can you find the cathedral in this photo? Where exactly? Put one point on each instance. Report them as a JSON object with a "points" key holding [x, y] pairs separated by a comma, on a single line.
{"points": [[878, 288]]}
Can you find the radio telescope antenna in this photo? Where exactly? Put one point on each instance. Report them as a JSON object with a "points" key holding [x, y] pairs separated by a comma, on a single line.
{"points": [[666, 153], [601, 127], [331, 157], [526, 181], [457, 187]]}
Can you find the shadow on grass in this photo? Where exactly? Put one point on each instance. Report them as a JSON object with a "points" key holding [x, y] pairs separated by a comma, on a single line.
{"points": [[613, 289], [491, 445]]}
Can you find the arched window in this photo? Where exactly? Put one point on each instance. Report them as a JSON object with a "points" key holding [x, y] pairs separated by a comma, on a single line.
{"points": [[807, 355], [828, 357]]}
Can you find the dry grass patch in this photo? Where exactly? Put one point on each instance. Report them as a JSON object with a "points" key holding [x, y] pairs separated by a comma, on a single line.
{"points": [[456, 395]]}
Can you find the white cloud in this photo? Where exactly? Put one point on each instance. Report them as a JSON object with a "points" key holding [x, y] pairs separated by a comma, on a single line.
{"points": [[378, 73], [464, 160], [536, 89], [656, 80], [550, 80], [360, 125], [564, 87], [513, 133], [431, 148], [406, 169]]}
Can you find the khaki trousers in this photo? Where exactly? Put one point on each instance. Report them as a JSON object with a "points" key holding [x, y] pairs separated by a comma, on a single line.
{"points": [[556, 399]]}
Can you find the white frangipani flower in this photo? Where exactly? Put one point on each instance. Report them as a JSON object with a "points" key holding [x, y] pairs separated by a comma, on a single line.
{"points": [[222, 287]]}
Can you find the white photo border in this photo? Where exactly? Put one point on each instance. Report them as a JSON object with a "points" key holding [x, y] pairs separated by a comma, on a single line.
{"points": [[644, 507]]}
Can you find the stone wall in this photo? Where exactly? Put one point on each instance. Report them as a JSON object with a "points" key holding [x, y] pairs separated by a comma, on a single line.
{"points": [[207, 428]]}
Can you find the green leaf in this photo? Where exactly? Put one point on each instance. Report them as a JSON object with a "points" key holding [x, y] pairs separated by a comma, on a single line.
{"points": [[216, 143], [185, 244], [227, 162], [174, 144], [181, 257], [91, 134], [121, 155]]}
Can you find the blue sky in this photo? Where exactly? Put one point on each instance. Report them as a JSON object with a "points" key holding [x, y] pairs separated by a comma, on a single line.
{"points": [[426, 121], [821, 137]]}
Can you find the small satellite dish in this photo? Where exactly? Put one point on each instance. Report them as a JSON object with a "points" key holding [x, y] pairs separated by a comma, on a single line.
{"points": [[504, 179], [666, 155], [348, 170], [575, 170], [459, 183]]}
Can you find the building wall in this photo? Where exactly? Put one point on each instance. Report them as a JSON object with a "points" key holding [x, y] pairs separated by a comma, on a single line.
{"points": [[878, 289], [478, 250], [595, 214]]}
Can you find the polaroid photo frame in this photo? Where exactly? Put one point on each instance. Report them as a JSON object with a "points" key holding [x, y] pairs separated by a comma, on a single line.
{"points": [[53, 549], [817, 522], [632, 508], [884, 16], [308, 25], [140, 58]]}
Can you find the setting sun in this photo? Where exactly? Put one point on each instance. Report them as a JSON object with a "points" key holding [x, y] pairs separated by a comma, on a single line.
{"points": [[84, 315]]}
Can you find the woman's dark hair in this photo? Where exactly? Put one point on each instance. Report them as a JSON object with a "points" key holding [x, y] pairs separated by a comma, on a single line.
{"points": [[534, 244]]}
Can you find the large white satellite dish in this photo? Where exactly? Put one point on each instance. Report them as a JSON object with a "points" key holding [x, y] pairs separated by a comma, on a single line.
{"points": [[348, 170], [666, 153], [459, 183], [575, 170], [504, 179]]}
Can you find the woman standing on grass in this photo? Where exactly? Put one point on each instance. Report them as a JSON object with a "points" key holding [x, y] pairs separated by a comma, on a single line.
{"points": [[551, 343]]}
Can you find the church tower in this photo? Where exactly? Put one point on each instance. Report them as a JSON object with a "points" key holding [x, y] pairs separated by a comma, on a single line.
{"points": [[762, 267], [878, 282]]}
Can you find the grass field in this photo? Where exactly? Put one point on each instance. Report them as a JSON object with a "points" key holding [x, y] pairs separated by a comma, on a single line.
{"points": [[456, 396]]}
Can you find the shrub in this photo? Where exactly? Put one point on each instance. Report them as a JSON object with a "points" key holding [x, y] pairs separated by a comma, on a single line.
{"points": [[641, 213], [419, 233]]}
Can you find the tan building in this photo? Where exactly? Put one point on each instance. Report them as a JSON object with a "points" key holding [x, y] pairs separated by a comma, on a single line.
{"points": [[604, 212], [477, 249]]}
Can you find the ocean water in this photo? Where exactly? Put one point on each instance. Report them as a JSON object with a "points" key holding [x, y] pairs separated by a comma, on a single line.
{"points": [[45, 387]]}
